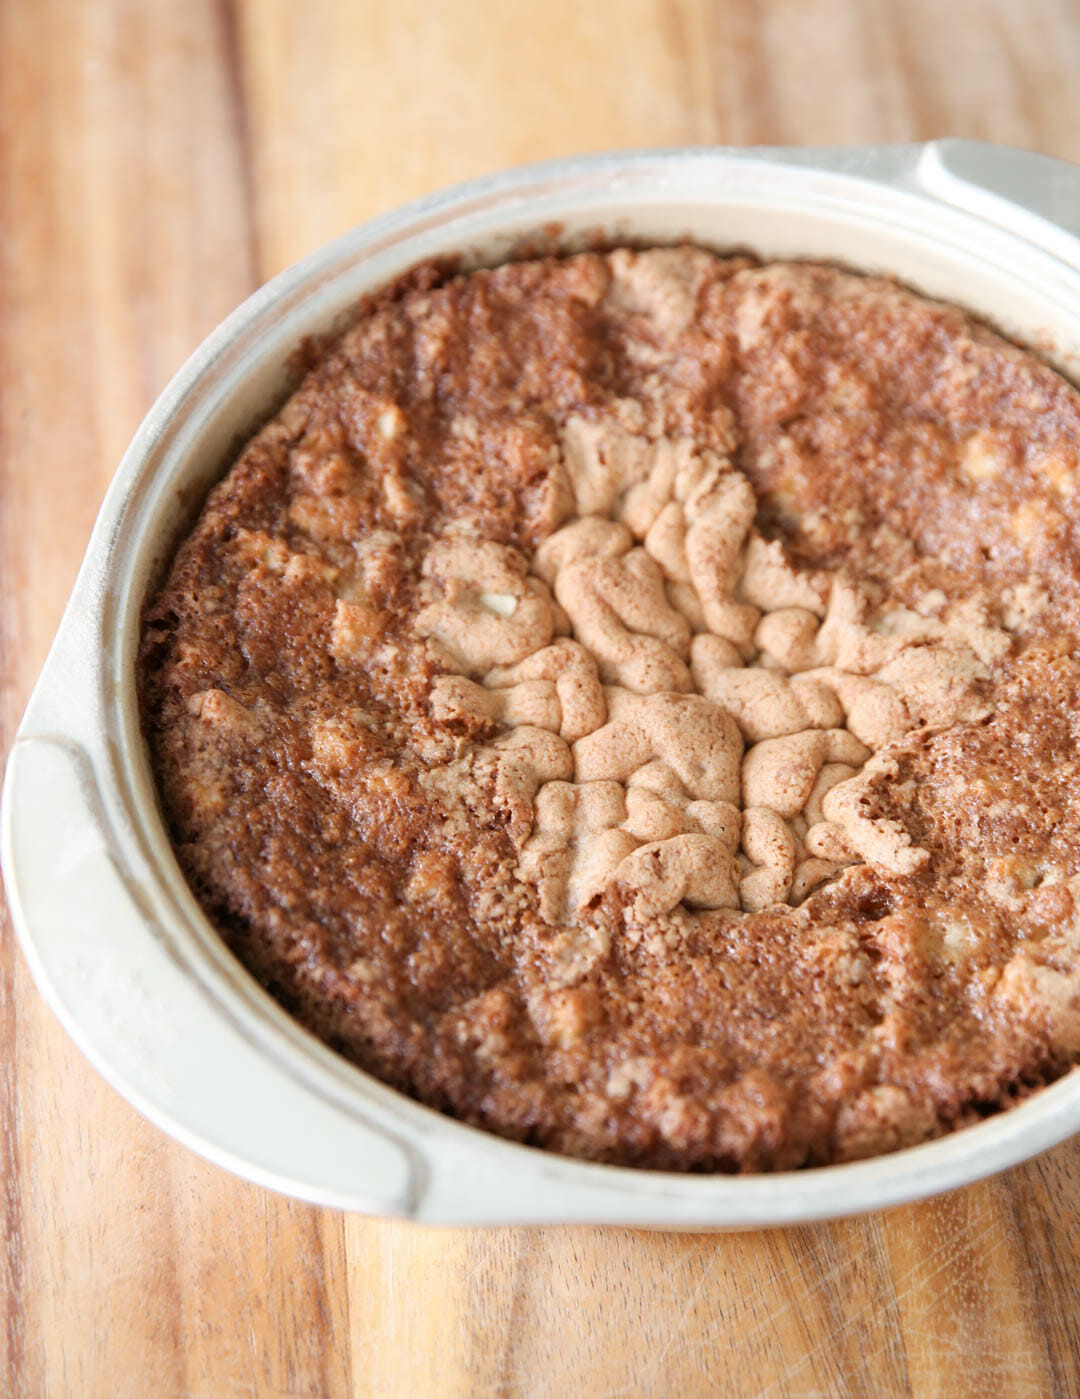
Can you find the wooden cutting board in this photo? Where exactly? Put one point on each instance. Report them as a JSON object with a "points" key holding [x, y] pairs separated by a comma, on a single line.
{"points": [[158, 161]]}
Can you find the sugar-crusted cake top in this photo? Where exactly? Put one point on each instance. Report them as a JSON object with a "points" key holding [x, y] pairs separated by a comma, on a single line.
{"points": [[632, 702], [698, 716]]}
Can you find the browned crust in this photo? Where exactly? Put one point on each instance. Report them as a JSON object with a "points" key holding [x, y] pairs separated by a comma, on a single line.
{"points": [[395, 927]]}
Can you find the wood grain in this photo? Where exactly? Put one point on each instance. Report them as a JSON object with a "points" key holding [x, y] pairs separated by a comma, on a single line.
{"points": [[156, 163]]}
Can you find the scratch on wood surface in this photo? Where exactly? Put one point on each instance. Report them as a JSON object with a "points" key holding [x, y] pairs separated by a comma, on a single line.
{"points": [[917, 1278], [687, 1308], [492, 1249], [766, 1321], [1048, 1257]]}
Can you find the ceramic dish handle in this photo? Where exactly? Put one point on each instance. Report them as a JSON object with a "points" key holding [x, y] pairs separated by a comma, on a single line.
{"points": [[1036, 196], [97, 950]]}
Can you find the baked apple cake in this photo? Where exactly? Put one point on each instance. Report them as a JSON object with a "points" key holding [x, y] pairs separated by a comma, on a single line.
{"points": [[630, 701]]}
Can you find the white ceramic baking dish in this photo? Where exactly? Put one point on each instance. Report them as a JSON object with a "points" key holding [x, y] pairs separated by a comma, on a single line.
{"points": [[115, 939]]}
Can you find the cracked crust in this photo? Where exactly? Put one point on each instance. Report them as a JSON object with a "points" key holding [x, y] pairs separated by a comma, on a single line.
{"points": [[631, 701]]}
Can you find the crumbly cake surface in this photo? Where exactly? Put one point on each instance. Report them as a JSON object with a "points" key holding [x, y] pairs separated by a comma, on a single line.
{"points": [[631, 702]]}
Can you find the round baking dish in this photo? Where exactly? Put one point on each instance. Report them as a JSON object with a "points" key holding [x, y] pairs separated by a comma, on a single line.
{"points": [[115, 939]]}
